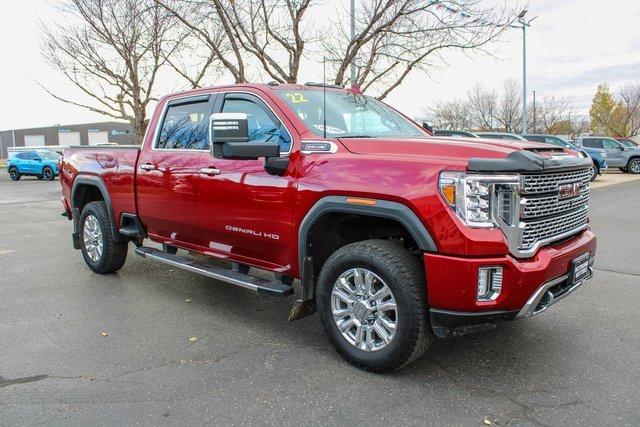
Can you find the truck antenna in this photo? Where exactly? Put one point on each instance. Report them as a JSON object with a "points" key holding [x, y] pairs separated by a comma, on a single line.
{"points": [[324, 97]]}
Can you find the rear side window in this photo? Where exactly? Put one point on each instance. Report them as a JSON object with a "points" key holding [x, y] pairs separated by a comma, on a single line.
{"points": [[185, 127], [592, 142], [22, 156]]}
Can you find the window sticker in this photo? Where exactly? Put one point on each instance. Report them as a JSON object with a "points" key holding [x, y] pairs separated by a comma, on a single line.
{"points": [[296, 97]]}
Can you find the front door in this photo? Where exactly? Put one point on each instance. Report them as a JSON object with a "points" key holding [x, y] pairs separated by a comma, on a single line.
{"points": [[615, 152], [245, 214], [167, 175]]}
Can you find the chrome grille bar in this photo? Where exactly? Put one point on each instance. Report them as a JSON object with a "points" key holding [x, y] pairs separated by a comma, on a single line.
{"points": [[551, 205], [548, 183]]}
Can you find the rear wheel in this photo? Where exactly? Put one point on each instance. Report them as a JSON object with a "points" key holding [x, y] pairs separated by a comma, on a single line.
{"points": [[372, 302], [47, 174], [101, 253], [633, 166], [14, 174]]}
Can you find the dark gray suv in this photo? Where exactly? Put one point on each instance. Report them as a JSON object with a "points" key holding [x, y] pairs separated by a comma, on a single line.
{"points": [[627, 159]]}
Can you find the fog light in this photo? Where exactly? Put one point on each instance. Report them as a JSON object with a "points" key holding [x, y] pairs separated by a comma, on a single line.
{"points": [[489, 283]]}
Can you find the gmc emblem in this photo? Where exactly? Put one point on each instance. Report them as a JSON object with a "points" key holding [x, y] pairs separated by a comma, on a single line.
{"points": [[566, 191]]}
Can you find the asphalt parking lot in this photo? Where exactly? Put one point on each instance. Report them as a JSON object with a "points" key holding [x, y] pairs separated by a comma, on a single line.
{"points": [[578, 363]]}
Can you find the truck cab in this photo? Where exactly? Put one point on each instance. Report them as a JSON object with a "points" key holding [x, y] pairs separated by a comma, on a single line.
{"points": [[396, 236]]}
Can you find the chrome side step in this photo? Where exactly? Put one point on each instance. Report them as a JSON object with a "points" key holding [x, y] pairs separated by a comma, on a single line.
{"points": [[218, 273]]}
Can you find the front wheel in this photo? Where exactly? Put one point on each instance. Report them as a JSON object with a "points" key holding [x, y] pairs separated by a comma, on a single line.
{"points": [[633, 166], [14, 174], [47, 174], [372, 302], [595, 171], [101, 253]]}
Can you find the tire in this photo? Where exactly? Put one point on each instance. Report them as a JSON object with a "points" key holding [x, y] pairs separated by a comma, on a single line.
{"points": [[595, 171], [39, 177], [95, 221], [633, 166], [47, 174], [623, 170], [14, 174], [403, 274]]}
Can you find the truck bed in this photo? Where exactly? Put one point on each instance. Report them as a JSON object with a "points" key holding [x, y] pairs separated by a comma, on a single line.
{"points": [[114, 165]]}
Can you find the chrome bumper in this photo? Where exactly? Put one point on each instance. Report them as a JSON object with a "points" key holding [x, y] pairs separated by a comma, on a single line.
{"points": [[536, 305]]}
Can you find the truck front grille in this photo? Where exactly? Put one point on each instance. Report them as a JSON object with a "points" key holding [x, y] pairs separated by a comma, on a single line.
{"points": [[549, 183], [556, 226], [544, 215]]}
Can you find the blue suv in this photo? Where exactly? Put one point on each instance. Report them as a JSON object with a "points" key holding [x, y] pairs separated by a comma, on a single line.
{"points": [[42, 164], [598, 156]]}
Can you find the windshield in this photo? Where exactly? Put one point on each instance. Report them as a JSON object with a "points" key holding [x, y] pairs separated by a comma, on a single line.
{"points": [[349, 115], [49, 155]]}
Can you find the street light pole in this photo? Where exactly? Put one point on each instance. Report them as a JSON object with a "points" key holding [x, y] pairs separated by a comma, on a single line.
{"points": [[353, 37], [535, 123], [524, 24]]}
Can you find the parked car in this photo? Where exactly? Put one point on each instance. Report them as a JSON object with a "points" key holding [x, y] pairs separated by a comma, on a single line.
{"points": [[627, 159], [500, 135], [396, 236], [598, 156], [454, 133], [627, 142], [42, 164]]}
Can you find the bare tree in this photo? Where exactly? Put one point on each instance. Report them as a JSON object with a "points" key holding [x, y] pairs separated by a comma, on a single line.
{"points": [[450, 115], [111, 50], [509, 111], [271, 33], [629, 97], [554, 115], [395, 37], [482, 104]]}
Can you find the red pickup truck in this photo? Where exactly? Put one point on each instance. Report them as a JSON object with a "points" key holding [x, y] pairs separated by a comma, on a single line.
{"points": [[396, 236]]}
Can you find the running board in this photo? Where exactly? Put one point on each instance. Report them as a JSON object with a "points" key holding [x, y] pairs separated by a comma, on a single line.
{"points": [[218, 273]]}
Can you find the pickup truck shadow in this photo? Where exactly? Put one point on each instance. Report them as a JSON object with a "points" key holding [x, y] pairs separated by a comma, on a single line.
{"points": [[517, 348]]}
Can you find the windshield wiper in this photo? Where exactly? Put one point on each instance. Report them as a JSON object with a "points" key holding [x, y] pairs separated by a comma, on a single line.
{"points": [[355, 136]]}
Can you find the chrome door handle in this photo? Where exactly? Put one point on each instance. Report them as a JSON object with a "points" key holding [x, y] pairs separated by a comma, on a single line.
{"points": [[210, 171], [147, 167]]}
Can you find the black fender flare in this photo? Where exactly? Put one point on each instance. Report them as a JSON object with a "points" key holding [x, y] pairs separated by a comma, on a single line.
{"points": [[92, 181], [382, 208]]}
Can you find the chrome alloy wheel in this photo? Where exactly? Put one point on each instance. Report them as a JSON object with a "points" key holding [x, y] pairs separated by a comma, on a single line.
{"points": [[634, 167], [13, 173], [92, 236], [364, 309], [47, 174]]}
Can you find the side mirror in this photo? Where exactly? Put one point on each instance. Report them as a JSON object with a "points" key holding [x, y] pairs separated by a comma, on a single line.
{"points": [[427, 126], [37, 159], [229, 136]]}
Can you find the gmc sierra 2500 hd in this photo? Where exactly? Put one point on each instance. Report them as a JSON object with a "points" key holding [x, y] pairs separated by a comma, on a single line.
{"points": [[396, 235]]}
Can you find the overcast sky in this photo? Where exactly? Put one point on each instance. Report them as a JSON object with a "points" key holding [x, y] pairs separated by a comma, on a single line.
{"points": [[573, 46]]}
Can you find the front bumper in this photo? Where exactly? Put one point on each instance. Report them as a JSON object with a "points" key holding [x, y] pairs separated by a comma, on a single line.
{"points": [[529, 286]]}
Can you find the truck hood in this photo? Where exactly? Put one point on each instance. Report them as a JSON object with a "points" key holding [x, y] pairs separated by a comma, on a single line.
{"points": [[449, 151]]}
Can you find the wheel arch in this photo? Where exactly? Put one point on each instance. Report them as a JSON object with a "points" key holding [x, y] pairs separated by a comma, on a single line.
{"points": [[379, 209], [91, 188]]}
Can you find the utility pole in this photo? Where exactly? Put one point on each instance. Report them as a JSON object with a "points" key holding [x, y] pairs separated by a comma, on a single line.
{"points": [[524, 24], [353, 37]]}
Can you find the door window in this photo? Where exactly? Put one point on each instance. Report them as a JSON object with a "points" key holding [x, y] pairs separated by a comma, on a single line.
{"points": [[262, 126], [610, 144], [555, 141], [185, 127]]}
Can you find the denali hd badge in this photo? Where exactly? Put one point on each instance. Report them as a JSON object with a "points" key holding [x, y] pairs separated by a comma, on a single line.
{"points": [[566, 191], [252, 232]]}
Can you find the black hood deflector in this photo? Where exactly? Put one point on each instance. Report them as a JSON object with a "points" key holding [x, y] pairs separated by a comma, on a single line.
{"points": [[527, 161]]}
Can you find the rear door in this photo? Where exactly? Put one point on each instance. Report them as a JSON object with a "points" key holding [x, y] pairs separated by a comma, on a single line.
{"points": [[167, 174], [245, 214]]}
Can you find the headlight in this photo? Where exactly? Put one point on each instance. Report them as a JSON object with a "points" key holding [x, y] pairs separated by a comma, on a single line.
{"points": [[478, 199]]}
